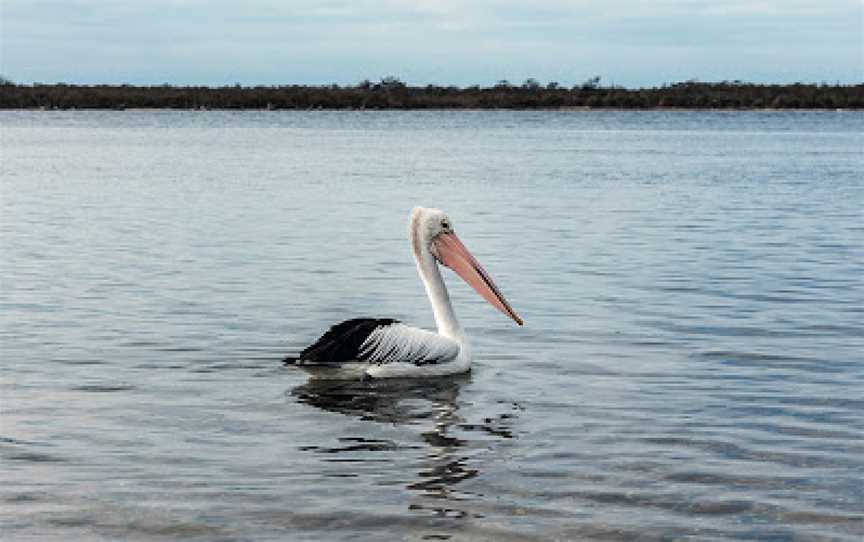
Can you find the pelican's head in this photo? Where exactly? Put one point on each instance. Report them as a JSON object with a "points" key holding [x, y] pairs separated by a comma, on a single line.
{"points": [[431, 231]]}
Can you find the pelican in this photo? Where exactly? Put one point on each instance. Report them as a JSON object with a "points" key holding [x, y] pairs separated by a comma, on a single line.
{"points": [[386, 348]]}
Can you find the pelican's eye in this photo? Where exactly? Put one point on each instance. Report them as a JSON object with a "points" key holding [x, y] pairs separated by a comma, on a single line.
{"points": [[445, 225]]}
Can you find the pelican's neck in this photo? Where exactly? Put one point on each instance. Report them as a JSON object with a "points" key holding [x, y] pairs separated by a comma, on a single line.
{"points": [[430, 274]]}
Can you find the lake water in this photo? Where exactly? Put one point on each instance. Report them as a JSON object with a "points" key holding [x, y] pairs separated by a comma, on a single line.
{"points": [[691, 367]]}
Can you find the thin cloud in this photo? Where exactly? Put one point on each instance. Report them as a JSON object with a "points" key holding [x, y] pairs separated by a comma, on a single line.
{"points": [[445, 41]]}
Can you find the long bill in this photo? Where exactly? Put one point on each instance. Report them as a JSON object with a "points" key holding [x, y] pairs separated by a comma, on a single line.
{"points": [[451, 252]]}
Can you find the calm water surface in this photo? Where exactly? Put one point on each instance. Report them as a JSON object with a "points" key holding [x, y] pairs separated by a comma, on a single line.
{"points": [[691, 368]]}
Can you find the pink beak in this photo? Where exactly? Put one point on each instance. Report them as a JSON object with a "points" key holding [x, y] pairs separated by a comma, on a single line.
{"points": [[451, 252]]}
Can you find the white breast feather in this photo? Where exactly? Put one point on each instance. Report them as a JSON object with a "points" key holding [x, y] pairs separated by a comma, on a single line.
{"points": [[401, 343]]}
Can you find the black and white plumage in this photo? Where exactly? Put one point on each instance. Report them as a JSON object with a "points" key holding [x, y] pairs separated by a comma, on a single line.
{"points": [[363, 343], [383, 347]]}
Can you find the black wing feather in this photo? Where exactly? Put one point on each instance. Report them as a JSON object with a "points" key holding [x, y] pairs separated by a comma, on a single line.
{"points": [[341, 343]]}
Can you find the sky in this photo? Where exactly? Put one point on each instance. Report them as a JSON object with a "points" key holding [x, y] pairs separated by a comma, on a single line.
{"points": [[269, 42]]}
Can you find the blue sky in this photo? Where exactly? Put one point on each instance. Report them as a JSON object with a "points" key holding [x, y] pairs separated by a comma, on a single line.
{"points": [[626, 42]]}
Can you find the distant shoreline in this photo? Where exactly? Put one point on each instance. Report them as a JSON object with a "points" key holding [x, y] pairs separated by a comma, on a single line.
{"points": [[392, 94], [442, 109]]}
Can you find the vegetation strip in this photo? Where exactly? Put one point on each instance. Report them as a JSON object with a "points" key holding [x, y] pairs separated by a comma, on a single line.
{"points": [[391, 93]]}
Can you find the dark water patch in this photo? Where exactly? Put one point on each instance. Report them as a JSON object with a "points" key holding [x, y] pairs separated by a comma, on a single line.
{"points": [[14, 449], [441, 440], [104, 388], [15, 441], [811, 517], [684, 506], [730, 330], [441, 512], [790, 363], [730, 450], [29, 456], [269, 364], [738, 480], [362, 460], [25, 498], [840, 402], [835, 329], [564, 475], [358, 444], [819, 432], [372, 526], [674, 503], [489, 427], [441, 478], [179, 349], [137, 522], [152, 365], [73, 361], [135, 344]]}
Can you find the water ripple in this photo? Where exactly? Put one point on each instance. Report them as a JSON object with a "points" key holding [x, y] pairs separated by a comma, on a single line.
{"points": [[690, 367]]}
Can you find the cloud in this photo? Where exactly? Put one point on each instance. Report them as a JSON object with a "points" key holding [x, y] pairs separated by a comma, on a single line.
{"points": [[306, 41]]}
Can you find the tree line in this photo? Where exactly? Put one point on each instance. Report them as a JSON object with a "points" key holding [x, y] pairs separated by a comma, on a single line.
{"points": [[392, 93]]}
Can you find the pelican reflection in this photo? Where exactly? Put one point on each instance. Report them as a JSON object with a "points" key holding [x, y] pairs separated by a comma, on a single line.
{"points": [[447, 445]]}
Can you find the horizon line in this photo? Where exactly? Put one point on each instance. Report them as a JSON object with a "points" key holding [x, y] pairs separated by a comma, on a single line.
{"points": [[594, 82]]}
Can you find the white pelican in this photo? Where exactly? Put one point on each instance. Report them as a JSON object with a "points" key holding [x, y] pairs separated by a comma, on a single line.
{"points": [[385, 348]]}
